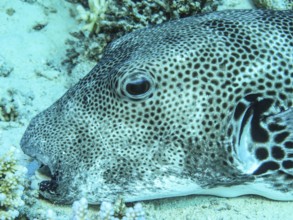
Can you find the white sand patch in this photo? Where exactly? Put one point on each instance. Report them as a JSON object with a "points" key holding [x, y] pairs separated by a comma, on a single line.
{"points": [[236, 4], [37, 78]]}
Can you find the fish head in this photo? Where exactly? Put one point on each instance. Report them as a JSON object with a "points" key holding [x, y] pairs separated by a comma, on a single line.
{"points": [[152, 118], [122, 128]]}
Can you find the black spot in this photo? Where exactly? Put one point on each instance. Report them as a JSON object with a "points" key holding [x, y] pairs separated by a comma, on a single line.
{"points": [[266, 166], [288, 81], [279, 138], [231, 159], [215, 82], [269, 76], [271, 93], [278, 85], [230, 129], [224, 163], [287, 164], [282, 96], [39, 27], [288, 144], [238, 91], [252, 97], [269, 84], [248, 90], [258, 133], [276, 127], [278, 153], [210, 100], [261, 153], [85, 100], [288, 177], [263, 105], [248, 50], [240, 108]]}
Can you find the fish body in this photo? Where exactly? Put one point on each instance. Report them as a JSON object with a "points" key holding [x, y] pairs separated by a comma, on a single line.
{"points": [[200, 105]]}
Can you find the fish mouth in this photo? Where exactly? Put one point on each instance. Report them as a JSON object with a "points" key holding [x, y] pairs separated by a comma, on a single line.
{"points": [[40, 164], [44, 172], [47, 172], [47, 179], [51, 185]]}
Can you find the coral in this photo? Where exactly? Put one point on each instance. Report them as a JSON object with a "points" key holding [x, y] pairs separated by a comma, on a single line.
{"points": [[11, 102], [125, 15], [5, 68], [12, 183], [95, 15], [135, 213], [51, 215], [32, 207], [108, 211], [84, 48], [104, 21], [274, 4], [8, 106], [82, 2], [80, 210]]}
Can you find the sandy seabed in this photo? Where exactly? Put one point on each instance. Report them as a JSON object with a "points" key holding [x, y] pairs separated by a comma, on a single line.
{"points": [[32, 47]]}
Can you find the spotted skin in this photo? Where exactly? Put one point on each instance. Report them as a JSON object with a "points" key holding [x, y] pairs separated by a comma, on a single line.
{"points": [[201, 105]]}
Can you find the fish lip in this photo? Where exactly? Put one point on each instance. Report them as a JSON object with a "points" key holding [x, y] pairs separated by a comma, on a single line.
{"points": [[48, 185], [47, 182], [32, 147], [29, 144], [25, 142], [44, 173]]}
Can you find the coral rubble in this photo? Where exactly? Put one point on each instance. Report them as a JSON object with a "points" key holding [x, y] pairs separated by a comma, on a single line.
{"points": [[12, 182], [274, 4], [108, 211], [103, 21]]}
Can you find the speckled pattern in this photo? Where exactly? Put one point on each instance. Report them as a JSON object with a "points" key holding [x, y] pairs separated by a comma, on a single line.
{"points": [[180, 108]]}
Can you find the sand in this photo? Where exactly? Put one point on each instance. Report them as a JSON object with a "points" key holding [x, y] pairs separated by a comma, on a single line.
{"points": [[32, 47]]}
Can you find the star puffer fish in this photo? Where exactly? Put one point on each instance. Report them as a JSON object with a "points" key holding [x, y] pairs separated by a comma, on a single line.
{"points": [[200, 105]]}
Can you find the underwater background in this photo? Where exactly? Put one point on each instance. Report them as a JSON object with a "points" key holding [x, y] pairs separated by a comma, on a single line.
{"points": [[46, 46]]}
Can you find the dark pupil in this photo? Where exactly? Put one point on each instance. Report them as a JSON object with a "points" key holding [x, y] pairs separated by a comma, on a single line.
{"points": [[138, 86]]}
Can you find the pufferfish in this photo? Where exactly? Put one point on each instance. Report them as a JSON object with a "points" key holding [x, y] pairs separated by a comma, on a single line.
{"points": [[200, 105]]}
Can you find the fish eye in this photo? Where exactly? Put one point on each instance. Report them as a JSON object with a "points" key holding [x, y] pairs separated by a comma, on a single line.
{"points": [[137, 86]]}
